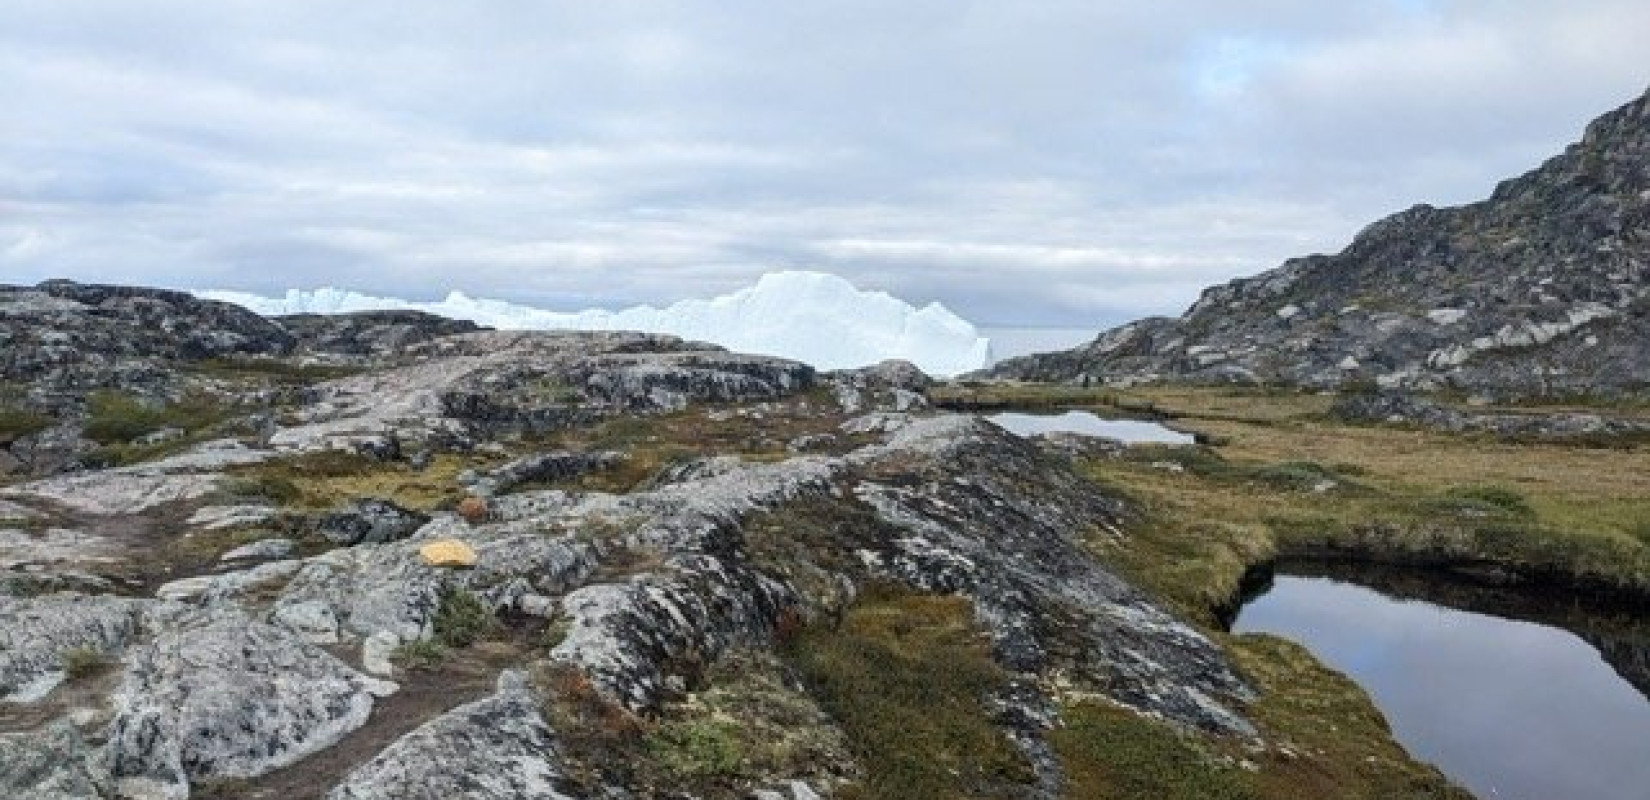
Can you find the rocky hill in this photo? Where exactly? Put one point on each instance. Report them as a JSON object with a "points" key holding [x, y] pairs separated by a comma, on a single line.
{"points": [[224, 586], [390, 556], [1542, 289]]}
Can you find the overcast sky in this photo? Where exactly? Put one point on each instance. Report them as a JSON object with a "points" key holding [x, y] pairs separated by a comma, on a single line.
{"points": [[1058, 163]]}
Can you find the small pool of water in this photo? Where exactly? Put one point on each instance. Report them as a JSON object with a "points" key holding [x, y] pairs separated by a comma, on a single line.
{"points": [[1132, 431], [1509, 708]]}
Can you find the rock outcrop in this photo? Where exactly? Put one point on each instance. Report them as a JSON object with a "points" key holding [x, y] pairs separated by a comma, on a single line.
{"points": [[226, 697], [499, 748], [1542, 289], [367, 335], [221, 613], [62, 330]]}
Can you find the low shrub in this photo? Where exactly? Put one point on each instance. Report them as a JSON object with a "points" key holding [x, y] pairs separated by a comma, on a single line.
{"points": [[462, 619], [473, 509], [1115, 753], [906, 676], [84, 662], [424, 654], [115, 418]]}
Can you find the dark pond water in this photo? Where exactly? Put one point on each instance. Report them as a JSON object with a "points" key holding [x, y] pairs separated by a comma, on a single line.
{"points": [[1132, 431], [1554, 709]]}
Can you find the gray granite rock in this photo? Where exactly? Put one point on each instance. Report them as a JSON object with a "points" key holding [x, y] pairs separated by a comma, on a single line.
{"points": [[51, 764], [37, 632], [370, 521], [217, 695], [262, 549], [498, 748]]}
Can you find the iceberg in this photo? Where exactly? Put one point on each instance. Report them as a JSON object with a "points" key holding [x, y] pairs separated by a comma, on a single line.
{"points": [[814, 317]]}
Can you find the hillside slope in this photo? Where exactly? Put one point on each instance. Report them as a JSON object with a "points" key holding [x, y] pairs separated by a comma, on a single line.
{"points": [[1542, 289]]}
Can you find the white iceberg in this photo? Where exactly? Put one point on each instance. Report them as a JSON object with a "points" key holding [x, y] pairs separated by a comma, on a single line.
{"points": [[814, 317]]}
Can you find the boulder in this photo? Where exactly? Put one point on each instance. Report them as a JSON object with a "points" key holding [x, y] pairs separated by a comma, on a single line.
{"points": [[370, 521]]}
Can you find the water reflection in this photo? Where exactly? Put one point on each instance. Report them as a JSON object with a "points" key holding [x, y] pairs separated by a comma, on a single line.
{"points": [[1510, 708], [1132, 431]]}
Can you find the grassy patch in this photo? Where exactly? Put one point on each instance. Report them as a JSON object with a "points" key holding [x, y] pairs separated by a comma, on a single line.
{"points": [[744, 724], [698, 749], [906, 677], [1495, 499], [462, 619], [84, 662], [115, 418], [1110, 752], [424, 654], [325, 479], [119, 422], [1416, 496], [1325, 738], [285, 373], [15, 423], [1322, 735]]}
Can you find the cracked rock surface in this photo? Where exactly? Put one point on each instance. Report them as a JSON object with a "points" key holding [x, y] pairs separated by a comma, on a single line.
{"points": [[248, 615]]}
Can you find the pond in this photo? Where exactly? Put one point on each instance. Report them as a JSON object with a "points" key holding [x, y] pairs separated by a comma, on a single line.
{"points": [[1511, 703], [1131, 431]]}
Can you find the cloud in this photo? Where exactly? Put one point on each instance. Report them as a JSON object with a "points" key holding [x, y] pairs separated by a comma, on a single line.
{"points": [[1062, 162]]}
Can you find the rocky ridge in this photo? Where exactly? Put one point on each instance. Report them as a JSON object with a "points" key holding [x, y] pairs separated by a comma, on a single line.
{"points": [[1543, 289], [208, 614]]}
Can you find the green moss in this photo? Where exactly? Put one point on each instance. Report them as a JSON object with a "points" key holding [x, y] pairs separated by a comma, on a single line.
{"points": [[906, 676], [16, 423], [1113, 753], [698, 748]]}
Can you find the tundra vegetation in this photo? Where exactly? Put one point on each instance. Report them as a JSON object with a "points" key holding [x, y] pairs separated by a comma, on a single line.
{"points": [[706, 574]]}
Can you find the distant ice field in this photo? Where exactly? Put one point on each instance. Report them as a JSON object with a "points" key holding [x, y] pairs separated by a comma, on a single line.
{"points": [[817, 318]]}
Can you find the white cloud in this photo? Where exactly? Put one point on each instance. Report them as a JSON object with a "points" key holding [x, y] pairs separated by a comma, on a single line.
{"points": [[1058, 162]]}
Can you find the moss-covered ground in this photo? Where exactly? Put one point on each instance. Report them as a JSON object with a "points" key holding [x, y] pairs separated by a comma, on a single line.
{"points": [[1280, 477]]}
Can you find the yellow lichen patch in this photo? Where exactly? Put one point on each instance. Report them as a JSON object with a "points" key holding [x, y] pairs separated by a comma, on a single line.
{"points": [[448, 553]]}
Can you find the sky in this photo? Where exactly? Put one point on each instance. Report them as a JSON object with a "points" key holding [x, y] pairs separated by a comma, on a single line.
{"points": [[1026, 163]]}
